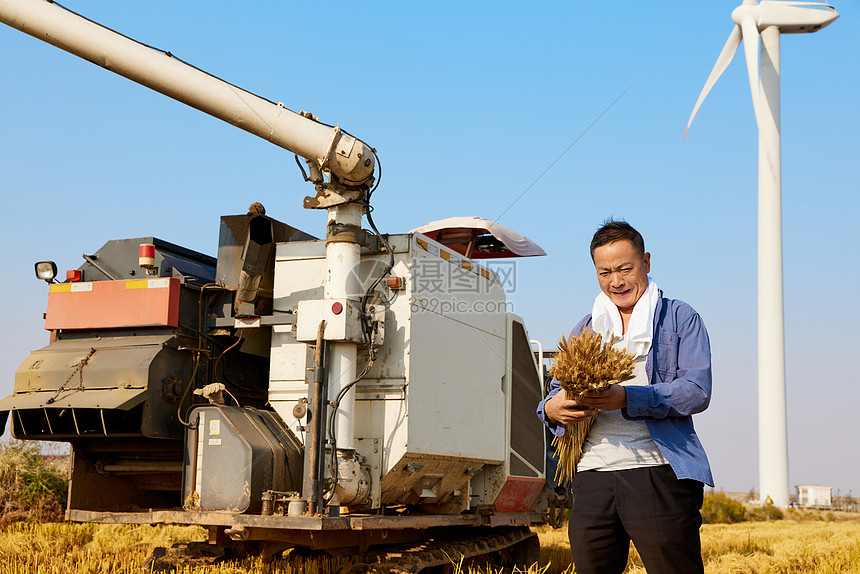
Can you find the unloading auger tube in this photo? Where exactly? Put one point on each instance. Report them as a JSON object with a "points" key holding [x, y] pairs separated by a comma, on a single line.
{"points": [[349, 160]]}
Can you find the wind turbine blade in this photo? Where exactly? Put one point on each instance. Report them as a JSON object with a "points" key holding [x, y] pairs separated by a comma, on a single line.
{"points": [[723, 60], [751, 49]]}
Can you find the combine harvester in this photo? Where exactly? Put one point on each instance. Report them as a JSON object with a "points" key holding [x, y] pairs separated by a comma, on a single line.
{"points": [[295, 391]]}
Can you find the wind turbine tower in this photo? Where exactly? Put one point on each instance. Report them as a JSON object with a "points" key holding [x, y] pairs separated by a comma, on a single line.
{"points": [[759, 25]]}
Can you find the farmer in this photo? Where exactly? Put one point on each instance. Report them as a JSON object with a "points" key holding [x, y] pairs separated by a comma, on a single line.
{"points": [[643, 468]]}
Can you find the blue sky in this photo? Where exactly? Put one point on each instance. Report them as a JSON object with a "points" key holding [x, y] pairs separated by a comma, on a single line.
{"points": [[467, 103]]}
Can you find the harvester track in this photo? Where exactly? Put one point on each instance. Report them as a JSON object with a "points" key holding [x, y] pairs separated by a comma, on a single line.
{"points": [[512, 546], [508, 547]]}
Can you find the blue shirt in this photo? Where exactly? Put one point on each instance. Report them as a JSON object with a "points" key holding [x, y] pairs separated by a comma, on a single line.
{"points": [[679, 376]]}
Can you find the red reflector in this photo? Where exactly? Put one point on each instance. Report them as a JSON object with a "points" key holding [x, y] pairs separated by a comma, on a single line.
{"points": [[394, 282], [74, 275], [336, 308], [146, 257]]}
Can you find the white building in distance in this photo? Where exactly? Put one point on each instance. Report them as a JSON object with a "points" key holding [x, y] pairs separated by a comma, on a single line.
{"points": [[813, 496]]}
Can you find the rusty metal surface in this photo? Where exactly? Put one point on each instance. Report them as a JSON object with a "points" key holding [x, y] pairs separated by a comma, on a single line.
{"points": [[430, 480], [379, 544], [118, 362], [210, 519], [63, 390], [416, 521], [117, 398], [318, 523], [394, 553], [495, 476], [332, 541], [102, 480]]}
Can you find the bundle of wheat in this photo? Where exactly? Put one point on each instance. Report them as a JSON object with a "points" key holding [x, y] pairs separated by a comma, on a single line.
{"points": [[584, 363]]}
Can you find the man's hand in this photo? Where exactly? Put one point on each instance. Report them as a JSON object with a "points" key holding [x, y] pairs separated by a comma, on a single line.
{"points": [[613, 398], [563, 411]]}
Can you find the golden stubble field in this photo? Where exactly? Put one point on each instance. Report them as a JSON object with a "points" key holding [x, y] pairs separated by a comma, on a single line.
{"points": [[829, 544]]}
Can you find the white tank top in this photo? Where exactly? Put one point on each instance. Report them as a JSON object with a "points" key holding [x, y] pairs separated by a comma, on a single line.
{"points": [[615, 443]]}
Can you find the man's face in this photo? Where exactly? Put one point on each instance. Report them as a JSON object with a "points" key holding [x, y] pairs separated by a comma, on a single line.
{"points": [[622, 273]]}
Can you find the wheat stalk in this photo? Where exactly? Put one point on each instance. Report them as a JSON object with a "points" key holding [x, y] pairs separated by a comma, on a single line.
{"points": [[584, 363]]}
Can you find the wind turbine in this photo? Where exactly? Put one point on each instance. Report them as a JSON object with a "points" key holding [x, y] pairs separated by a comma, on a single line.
{"points": [[763, 22]]}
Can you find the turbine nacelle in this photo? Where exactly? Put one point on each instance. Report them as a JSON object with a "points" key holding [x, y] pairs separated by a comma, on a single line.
{"points": [[750, 19], [789, 17]]}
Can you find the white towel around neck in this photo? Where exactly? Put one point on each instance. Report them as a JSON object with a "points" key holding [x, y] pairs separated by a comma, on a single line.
{"points": [[606, 320]]}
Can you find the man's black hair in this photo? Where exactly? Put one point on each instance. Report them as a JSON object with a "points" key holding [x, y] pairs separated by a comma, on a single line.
{"points": [[619, 230]]}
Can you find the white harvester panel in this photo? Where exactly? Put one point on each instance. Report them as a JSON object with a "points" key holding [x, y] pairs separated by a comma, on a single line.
{"points": [[342, 322], [430, 416]]}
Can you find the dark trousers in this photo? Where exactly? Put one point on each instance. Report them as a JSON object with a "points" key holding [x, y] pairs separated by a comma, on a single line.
{"points": [[649, 506]]}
